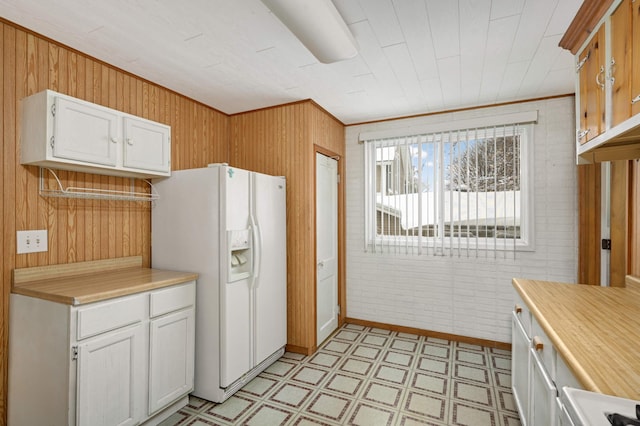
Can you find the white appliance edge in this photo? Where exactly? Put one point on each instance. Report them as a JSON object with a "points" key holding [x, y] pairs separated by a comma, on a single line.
{"points": [[214, 222]]}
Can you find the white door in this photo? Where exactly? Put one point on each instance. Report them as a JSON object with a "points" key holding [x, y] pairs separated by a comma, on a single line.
{"points": [[326, 246], [270, 255], [235, 295], [146, 145], [111, 378], [85, 133], [171, 340]]}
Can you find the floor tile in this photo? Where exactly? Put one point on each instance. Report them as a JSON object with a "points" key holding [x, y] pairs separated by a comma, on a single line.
{"points": [[382, 393], [426, 405], [394, 375], [268, 415], [476, 374], [473, 393], [436, 351], [463, 414], [430, 383], [469, 357], [291, 394], [368, 352], [347, 335], [337, 347], [433, 365], [329, 406], [397, 358], [232, 409], [323, 359], [369, 415], [356, 366], [374, 340], [344, 384], [309, 375], [404, 345], [367, 377], [259, 386]]}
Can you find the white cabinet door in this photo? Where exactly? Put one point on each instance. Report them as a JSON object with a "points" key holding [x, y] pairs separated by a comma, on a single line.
{"points": [[146, 145], [84, 132], [171, 358], [111, 371], [543, 394], [520, 359]]}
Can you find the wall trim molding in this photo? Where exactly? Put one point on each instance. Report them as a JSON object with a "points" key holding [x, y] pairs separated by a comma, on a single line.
{"points": [[430, 333]]}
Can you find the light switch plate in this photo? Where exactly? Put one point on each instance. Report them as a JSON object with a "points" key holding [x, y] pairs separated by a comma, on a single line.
{"points": [[32, 241]]}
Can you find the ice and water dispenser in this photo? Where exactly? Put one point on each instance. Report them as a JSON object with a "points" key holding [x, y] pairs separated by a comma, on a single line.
{"points": [[240, 254]]}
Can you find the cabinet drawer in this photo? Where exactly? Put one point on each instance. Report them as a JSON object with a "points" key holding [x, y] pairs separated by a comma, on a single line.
{"points": [[524, 314], [105, 316], [172, 299], [548, 352]]}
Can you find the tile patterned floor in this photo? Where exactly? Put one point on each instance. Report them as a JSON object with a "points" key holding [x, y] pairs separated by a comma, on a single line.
{"points": [[367, 377]]}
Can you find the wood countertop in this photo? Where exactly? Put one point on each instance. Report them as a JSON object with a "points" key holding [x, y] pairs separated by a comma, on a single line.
{"points": [[87, 282], [596, 330]]}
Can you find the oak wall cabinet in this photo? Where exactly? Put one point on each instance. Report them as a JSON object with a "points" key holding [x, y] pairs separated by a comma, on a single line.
{"points": [[608, 87], [63, 132]]}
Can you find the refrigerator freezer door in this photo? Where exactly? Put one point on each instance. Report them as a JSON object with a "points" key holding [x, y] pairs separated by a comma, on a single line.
{"points": [[235, 295], [270, 286]]}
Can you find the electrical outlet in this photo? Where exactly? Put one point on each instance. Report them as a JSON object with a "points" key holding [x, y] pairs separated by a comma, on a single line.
{"points": [[32, 241]]}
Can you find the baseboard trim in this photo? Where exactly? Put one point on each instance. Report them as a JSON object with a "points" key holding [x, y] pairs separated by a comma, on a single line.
{"points": [[301, 349], [430, 333]]}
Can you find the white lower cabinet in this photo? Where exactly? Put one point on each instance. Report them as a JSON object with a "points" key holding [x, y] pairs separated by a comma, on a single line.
{"points": [[171, 360], [520, 358], [110, 378], [123, 361], [538, 371]]}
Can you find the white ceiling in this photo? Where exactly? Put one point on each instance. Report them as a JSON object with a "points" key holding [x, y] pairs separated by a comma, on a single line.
{"points": [[416, 56]]}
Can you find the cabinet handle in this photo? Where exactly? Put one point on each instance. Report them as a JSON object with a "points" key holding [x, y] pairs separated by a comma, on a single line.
{"points": [[601, 85], [517, 308], [583, 61], [114, 140], [583, 133], [537, 343], [129, 141], [636, 99]]}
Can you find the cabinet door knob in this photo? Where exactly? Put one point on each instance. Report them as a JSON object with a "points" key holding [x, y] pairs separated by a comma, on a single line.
{"points": [[114, 140], [129, 141], [517, 309], [537, 343], [583, 133]]}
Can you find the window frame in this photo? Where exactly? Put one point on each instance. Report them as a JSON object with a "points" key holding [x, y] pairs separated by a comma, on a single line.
{"points": [[443, 244]]}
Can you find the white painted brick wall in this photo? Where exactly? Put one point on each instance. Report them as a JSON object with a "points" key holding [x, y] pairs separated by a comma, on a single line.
{"points": [[467, 296]]}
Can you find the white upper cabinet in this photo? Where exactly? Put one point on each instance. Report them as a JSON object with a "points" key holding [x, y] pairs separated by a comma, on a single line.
{"points": [[63, 132]]}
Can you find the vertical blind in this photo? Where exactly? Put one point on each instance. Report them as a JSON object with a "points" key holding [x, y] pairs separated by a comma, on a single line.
{"points": [[454, 192]]}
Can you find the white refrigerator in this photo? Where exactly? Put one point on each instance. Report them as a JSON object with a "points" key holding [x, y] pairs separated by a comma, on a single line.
{"points": [[229, 226]]}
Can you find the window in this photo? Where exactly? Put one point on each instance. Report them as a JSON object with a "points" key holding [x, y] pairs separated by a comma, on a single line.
{"points": [[450, 192]]}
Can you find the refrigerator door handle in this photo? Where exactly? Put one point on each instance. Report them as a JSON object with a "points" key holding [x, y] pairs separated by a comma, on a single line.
{"points": [[256, 245]]}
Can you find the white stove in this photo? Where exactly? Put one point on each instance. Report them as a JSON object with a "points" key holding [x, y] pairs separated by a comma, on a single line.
{"points": [[586, 408]]}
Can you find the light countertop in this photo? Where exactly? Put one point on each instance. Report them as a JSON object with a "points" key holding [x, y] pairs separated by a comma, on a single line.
{"points": [[87, 282], [595, 329]]}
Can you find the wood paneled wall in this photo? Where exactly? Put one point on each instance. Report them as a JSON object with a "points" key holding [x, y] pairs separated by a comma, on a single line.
{"points": [[589, 187], [634, 218], [82, 230], [282, 141]]}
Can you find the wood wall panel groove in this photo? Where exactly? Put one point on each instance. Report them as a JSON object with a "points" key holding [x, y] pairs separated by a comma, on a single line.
{"points": [[83, 230]]}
